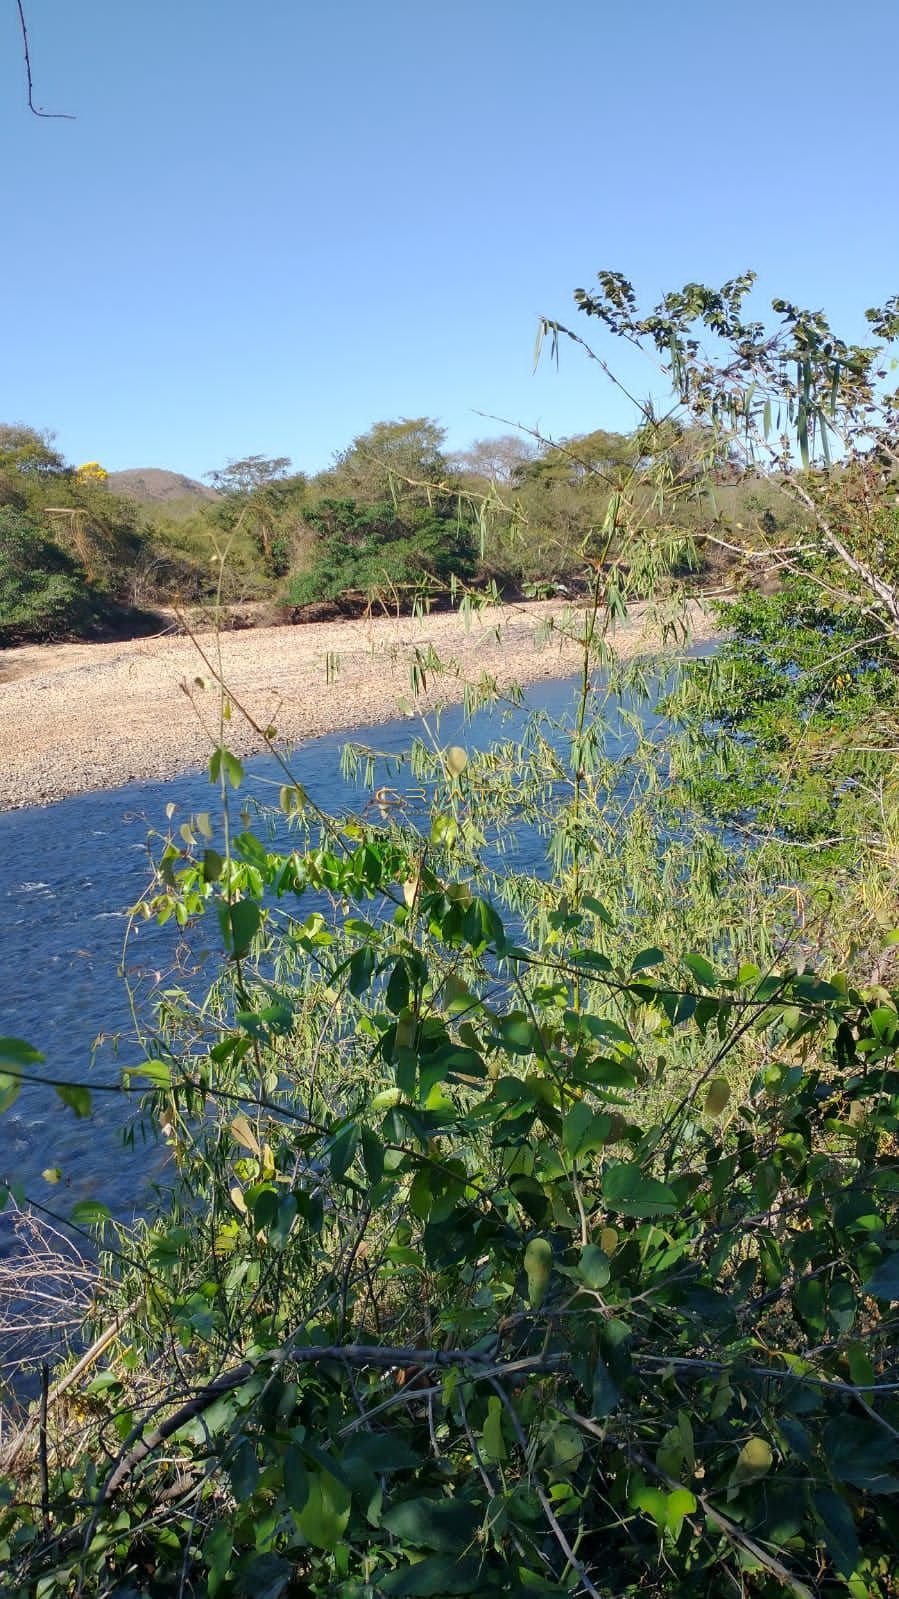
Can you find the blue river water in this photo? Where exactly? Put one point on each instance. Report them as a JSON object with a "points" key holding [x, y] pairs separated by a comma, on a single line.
{"points": [[68, 876]]}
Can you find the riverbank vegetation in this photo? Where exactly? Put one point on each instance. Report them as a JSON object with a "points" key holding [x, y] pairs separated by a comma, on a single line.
{"points": [[394, 523], [533, 1232]]}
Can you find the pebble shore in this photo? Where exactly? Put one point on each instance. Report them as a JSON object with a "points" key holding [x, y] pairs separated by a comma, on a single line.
{"points": [[76, 717]]}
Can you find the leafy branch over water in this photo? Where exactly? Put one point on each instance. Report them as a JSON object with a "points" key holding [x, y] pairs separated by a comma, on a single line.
{"points": [[528, 1233]]}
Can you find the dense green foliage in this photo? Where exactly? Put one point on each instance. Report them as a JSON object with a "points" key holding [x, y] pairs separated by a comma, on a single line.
{"points": [[383, 549], [812, 689], [558, 1272], [533, 1232], [43, 592]]}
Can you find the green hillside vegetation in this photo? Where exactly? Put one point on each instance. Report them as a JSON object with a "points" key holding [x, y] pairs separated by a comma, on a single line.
{"points": [[395, 521], [530, 1234]]}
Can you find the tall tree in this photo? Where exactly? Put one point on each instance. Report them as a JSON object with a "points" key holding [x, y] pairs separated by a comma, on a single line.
{"points": [[249, 473], [401, 459]]}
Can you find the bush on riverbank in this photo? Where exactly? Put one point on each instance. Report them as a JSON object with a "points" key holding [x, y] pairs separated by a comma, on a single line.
{"points": [[525, 1264], [536, 1232], [44, 593], [382, 551]]}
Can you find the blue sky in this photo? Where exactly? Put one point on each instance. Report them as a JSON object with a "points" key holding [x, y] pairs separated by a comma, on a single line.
{"points": [[275, 222]]}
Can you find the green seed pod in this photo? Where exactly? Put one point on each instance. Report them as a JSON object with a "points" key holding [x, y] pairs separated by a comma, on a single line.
{"points": [[717, 1097], [538, 1265]]}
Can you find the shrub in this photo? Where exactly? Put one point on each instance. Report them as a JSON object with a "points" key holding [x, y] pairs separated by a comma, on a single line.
{"points": [[362, 550], [449, 1299], [44, 593]]}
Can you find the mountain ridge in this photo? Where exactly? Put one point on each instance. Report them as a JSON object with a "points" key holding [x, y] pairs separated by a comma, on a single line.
{"points": [[154, 485]]}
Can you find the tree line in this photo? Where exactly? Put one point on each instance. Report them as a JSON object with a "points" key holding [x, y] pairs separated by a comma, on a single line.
{"points": [[396, 519]]}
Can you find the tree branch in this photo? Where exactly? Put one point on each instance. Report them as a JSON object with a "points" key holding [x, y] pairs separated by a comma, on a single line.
{"points": [[37, 111], [139, 1446]]}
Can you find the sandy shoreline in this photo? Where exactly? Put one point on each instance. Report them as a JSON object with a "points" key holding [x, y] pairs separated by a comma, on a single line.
{"points": [[76, 717]]}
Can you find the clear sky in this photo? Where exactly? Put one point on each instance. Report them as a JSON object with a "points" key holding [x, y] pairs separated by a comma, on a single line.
{"points": [[277, 221]]}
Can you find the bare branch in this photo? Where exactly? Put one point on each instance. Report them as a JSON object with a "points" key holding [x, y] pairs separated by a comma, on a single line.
{"points": [[37, 111], [140, 1444]]}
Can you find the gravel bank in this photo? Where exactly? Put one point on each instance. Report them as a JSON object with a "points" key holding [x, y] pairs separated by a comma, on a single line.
{"points": [[75, 717]]}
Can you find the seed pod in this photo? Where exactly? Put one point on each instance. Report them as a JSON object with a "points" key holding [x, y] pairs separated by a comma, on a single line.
{"points": [[718, 1096], [538, 1265]]}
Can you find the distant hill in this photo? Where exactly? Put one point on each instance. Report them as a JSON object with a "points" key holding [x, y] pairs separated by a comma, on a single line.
{"points": [[153, 486]]}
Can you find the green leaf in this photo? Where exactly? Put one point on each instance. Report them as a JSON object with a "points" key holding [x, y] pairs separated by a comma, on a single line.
{"points": [[10, 1088], [296, 1478], [589, 903], [343, 1148], [233, 768], [447, 1525], [89, 1213], [884, 1023], [858, 1452], [653, 1502], [291, 798], [627, 1190], [156, 1071], [593, 1267], [436, 1575], [519, 1036], [717, 1096], [372, 1155], [239, 923], [883, 1282], [838, 1527], [15, 1052], [666, 1509], [397, 995], [217, 1555], [647, 958], [361, 970], [754, 1461], [212, 865], [702, 970], [564, 1449], [605, 1391], [76, 1096], [243, 1469], [265, 1576], [584, 1130], [494, 1445], [681, 1503]]}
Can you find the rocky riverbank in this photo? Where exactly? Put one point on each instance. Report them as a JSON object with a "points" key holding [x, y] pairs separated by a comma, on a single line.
{"points": [[75, 717]]}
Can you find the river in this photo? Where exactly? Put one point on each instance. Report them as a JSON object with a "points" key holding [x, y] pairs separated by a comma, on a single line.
{"points": [[68, 877]]}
